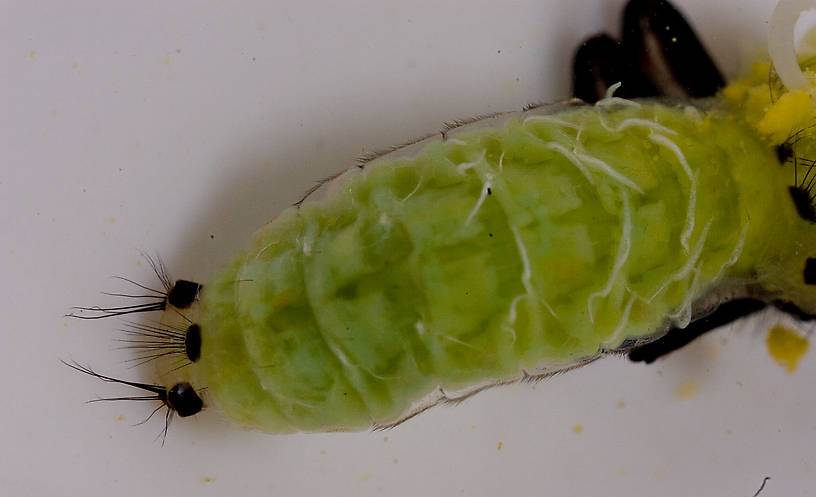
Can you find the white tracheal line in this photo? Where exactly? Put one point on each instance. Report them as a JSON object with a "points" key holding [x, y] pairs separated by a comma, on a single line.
{"points": [[550, 120], [682, 315], [612, 101], [610, 92], [416, 188], [608, 170], [512, 313], [264, 249], [572, 158], [501, 162], [341, 356], [736, 252], [624, 246], [456, 141], [488, 183], [461, 168], [549, 308], [617, 335], [353, 367], [459, 342], [420, 328], [687, 267], [692, 200], [526, 281], [511, 317], [637, 122], [581, 161], [527, 273]]}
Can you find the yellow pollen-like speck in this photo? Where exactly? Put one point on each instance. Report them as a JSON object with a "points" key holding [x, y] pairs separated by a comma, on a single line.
{"points": [[687, 390], [208, 479], [786, 347], [577, 429], [621, 404], [31, 54], [499, 447], [365, 477]]}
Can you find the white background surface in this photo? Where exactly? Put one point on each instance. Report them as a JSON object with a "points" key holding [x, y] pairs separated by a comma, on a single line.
{"points": [[180, 127]]}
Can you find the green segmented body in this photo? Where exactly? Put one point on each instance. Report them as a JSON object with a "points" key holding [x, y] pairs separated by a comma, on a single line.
{"points": [[535, 241]]}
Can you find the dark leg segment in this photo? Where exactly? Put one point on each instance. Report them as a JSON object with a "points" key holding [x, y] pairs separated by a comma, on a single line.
{"points": [[600, 62], [679, 337], [668, 50], [659, 56]]}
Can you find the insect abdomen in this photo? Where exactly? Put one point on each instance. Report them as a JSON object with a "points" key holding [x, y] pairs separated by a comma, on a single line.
{"points": [[538, 242]]}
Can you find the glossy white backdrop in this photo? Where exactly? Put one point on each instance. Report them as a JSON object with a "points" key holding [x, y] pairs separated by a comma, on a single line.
{"points": [[180, 127]]}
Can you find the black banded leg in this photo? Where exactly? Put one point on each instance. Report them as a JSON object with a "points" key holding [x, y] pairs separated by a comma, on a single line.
{"points": [[601, 62], [660, 55], [793, 311], [668, 51], [680, 337]]}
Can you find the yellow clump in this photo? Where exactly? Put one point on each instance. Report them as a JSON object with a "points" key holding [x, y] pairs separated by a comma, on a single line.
{"points": [[737, 92], [777, 119], [786, 347], [791, 112]]}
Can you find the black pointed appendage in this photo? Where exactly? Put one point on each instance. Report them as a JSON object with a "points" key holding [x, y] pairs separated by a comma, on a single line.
{"points": [[793, 310], [810, 271], [158, 340], [659, 55], [784, 152], [183, 294], [178, 295], [680, 337], [159, 392], [804, 202], [192, 342], [601, 62], [180, 399], [184, 400], [668, 51]]}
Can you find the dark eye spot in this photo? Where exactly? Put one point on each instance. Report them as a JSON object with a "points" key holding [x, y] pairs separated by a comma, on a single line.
{"points": [[804, 203], [183, 399], [784, 152], [192, 342], [810, 271], [183, 294]]}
